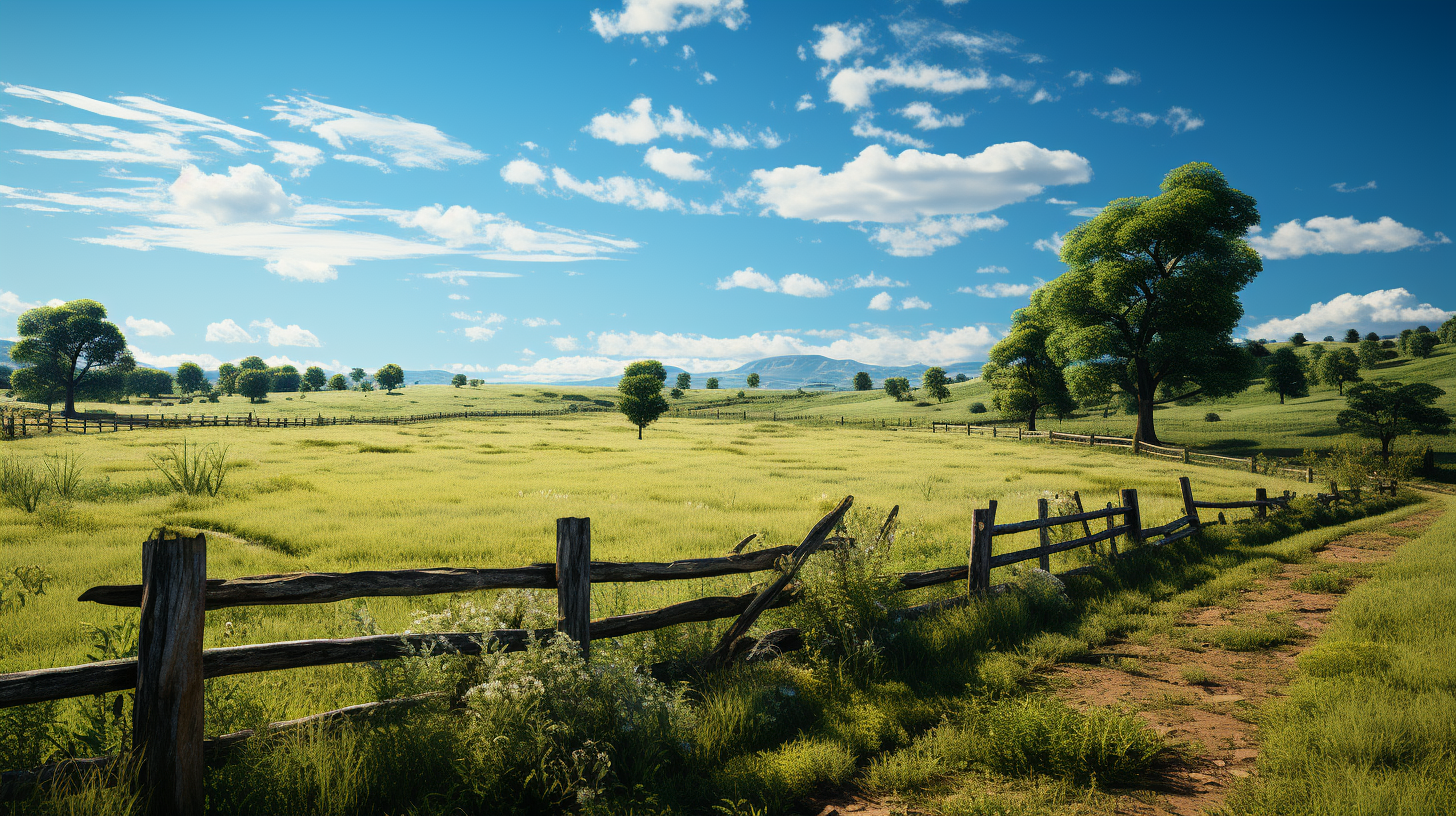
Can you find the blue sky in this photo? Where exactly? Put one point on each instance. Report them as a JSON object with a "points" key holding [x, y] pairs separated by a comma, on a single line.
{"points": [[541, 191]]}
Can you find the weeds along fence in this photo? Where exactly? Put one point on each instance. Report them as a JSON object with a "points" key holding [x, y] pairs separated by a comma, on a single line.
{"points": [[171, 663], [21, 424]]}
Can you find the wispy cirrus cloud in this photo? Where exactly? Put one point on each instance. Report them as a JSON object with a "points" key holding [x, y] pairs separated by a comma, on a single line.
{"points": [[405, 143]]}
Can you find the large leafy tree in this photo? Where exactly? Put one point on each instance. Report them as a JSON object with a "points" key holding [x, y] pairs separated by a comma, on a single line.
{"points": [[898, 387], [284, 378], [1151, 292], [862, 381], [1421, 345], [1284, 375], [69, 345], [459, 380], [1388, 410], [253, 384], [1339, 367], [684, 380], [389, 377], [641, 391], [315, 377], [1025, 379], [227, 378], [190, 378], [934, 382], [253, 363], [338, 382], [148, 382]]}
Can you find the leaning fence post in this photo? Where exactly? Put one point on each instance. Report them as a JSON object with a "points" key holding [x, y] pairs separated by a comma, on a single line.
{"points": [[1188, 509], [1134, 516], [978, 577], [167, 712], [1044, 538], [573, 580], [1262, 495], [1086, 528], [1111, 540]]}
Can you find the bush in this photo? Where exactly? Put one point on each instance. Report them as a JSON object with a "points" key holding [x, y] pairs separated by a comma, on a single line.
{"points": [[21, 484], [1211, 417], [978, 407], [922, 405]]}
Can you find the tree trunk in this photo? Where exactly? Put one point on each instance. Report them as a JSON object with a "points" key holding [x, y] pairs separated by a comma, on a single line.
{"points": [[1385, 449], [639, 432], [70, 410], [1281, 397], [1146, 394], [1031, 420]]}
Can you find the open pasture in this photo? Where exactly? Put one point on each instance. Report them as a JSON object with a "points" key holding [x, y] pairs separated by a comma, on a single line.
{"points": [[487, 492]]}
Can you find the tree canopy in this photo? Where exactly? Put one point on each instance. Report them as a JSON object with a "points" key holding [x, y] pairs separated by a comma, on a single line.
{"points": [[389, 377], [1352, 336], [1025, 378], [190, 378], [862, 381], [357, 375], [339, 383], [651, 367], [642, 401], [148, 382], [315, 377], [253, 363], [934, 382], [897, 387], [1388, 410], [684, 380], [253, 384], [459, 380], [227, 378], [1298, 339], [711, 384], [1151, 292], [1421, 345], [1339, 367], [1284, 375], [69, 346], [753, 380]]}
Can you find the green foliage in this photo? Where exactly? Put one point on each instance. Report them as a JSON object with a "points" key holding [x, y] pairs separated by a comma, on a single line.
{"points": [[862, 381], [21, 484], [1421, 345], [711, 384], [284, 378], [357, 375], [676, 393], [69, 346], [1298, 339], [190, 379], [315, 377], [193, 470], [1151, 292], [389, 377], [21, 585], [1388, 410], [1284, 375], [978, 407], [642, 401], [253, 363], [148, 382], [1253, 638], [1447, 332], [1338, 368], [1212, 416], [227, 378], [458, 380], [1025, 378], [934, 382], [64, 470], [753, 380], [1370, 353], [651, 367], [684, 381], [1352, 336], [338, 383], [253, 384], [898, 387]]}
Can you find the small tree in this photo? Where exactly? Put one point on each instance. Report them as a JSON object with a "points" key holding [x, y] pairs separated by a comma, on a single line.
{"points": [[1370, 353], [711, 384], [253, 384], [897, 387], [641, 401], [978, 407], [934, 382], [1421, 345], [254, 363], [1339, 367], [1023, 375], [652, 367], [69, 344], [190, 378], [960, 378], [227, 378], [1372, 336], [458, 380], [684, 381], [1389, 410], [1284, 375], [1298, 339], [315, 377], [1352, 336], [476, 383], [1315, 353], [339, 383], [1405, 335], [1447, 332], [389, 377], [676, 393], [1329, 338], [357, 375], [753, 380], [862, 382]]}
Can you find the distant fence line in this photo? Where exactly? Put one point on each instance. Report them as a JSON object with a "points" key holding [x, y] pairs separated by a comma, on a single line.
{"points": [[18, 424], [171, 665]]}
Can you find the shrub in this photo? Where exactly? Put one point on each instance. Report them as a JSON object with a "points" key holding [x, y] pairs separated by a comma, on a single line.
{"points": [[978, 407], [21, 485], [194, 469], [19, 585], [64, 470], [1321, 581], [922, 405], [1197, 676], [1211, 417]]}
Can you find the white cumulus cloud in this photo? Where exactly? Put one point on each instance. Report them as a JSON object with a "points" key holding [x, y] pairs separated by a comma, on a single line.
{"points": [[796, 284], [1384, 311], [1344, 236], [1052, 244], [854, 86], [523, 171], [638, 194], [840, 40], [675, 164], [567, 343], [927, 117], [639, 125], [657, 16], [873, 281], [806, 102], [882, 302], [929, 234], [1121, 77], [142, 327], [875, 346], [865, 128], [480, 333], [228, 331], [913, 302], [246, 193], [300, 157], [291, 335], [997, 290]]}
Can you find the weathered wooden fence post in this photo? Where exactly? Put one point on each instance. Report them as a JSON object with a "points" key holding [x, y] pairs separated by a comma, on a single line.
{"points": [[1137, 445], [1112, 540], [1188, 509], [1134, 516], [1185, 456], [1309, 475], [1260, 495], [1334, 492], [1253, 468], [1086, 528], [168, 707], [573, 580], [1044, 538], [978, 577], [1091, 440]]}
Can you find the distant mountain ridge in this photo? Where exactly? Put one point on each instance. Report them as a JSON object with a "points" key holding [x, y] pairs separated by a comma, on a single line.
{"points": [[804, 371]]}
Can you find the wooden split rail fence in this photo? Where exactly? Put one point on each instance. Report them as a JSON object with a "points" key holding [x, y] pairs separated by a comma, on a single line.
{"points": [[1137, 446], [172, 665], [19, 424]]}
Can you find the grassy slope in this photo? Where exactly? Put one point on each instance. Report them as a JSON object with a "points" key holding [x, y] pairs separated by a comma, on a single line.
{"points": [[1369, 725]]}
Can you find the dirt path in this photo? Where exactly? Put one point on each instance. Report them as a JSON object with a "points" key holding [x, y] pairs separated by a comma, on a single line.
{"points": [[1214, 716]]}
